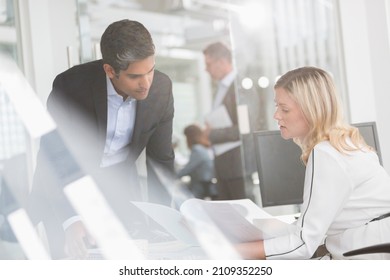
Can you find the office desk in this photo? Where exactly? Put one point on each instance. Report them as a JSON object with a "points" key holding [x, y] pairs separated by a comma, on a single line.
{"points": [[169, 250]]}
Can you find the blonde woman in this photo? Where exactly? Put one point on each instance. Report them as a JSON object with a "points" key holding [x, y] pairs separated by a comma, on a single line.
{"points": [[346, 199]]}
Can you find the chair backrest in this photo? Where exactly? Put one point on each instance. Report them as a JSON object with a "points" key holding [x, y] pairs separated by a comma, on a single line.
{"points": [[380, 248]]}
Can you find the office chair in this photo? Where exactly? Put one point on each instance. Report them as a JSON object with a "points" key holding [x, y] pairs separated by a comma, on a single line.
{"points": [[380, 248]]}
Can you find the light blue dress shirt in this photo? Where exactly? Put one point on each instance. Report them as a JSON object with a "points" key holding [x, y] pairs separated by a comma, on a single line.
{"points": [[223, 86], [120, 126]]}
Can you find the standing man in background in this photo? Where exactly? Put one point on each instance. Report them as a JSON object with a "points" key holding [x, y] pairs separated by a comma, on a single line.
{"points": [[228, 160], [107, 111]]}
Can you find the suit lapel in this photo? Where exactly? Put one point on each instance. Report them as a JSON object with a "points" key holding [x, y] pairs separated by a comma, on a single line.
{"points": [[229, 102], [141, 119], [99, 92]]}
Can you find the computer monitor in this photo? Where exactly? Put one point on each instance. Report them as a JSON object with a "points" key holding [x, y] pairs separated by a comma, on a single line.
{"points": [[370, 134], [281, 172]]}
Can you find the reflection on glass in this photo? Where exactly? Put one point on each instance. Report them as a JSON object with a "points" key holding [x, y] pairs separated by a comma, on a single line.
{"points": [[247, 83], [284, 34], [8, 36], [6, 12], [290, 34], [13, 175], [263, 82]]}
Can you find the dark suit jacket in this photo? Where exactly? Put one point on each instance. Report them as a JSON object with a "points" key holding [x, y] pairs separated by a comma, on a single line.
{"points": [[78, 101], [228, 165], [78, 104]]}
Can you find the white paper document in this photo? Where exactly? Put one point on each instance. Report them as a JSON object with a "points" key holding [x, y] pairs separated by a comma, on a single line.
{"points": [[240, 220], [209, 229], [170, 219], [219, 118]]}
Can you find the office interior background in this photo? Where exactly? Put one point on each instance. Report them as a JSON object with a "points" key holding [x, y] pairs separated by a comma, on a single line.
{"points": [[349, 38]]}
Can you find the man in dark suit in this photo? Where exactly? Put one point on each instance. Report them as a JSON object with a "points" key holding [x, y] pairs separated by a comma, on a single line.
{"points": [[228, 164], [108, 112]]}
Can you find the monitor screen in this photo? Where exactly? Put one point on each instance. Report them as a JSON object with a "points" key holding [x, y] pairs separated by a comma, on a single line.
{"points": [[369, 132], [281, 172]]}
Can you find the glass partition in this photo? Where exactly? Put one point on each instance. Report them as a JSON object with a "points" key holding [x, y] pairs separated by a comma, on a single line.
{"points": [[268, 37], [8, 34], [272, 37], [20, 124], [15, 170]]}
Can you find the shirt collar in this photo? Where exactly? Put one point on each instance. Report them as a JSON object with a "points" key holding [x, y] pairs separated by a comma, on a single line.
{"points": [[112, 92], [228, 79], [110, 88]]}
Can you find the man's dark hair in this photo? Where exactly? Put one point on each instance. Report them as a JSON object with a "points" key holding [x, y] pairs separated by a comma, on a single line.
{"points": [[124, 42], [218, 50]]}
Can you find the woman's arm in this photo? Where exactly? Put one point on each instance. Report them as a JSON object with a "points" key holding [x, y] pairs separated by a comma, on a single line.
{"points": [[251, 250]]}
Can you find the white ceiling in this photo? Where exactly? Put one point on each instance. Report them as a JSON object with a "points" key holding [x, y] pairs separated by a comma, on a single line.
{"points": [[183, 24]]}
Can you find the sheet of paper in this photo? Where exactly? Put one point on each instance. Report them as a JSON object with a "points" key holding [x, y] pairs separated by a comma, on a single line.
{"points": [[219, 118], [243, 119], [211, 237], [170, 219], [273, 227], [234, 217]]}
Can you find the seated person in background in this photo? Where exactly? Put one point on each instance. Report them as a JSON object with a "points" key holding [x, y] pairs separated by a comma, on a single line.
{"points": [[200, 166], [346, 190]]}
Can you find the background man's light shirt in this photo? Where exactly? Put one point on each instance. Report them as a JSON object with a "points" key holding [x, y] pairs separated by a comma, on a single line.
{"points": [[223, 87]]}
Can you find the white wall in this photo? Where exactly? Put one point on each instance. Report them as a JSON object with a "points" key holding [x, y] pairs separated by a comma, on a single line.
{"points": [[47, 28], [365, 36]]}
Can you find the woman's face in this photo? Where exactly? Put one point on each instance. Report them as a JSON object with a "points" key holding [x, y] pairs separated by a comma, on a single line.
{"points": [[292, 123]]}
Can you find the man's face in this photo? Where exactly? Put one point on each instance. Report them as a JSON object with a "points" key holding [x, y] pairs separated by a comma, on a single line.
{"points": [[215, 67], [135, 81]]}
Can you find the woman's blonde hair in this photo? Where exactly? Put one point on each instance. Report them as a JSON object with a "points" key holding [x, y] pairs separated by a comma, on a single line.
{"points": [[314, 91]]}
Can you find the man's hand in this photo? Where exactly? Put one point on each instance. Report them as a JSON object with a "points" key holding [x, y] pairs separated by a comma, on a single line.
{"points": [[207, 129], [77, 241]]}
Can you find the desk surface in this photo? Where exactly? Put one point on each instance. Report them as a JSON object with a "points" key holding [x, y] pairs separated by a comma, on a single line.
{"points": [[170, 250], [288, 218]]}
